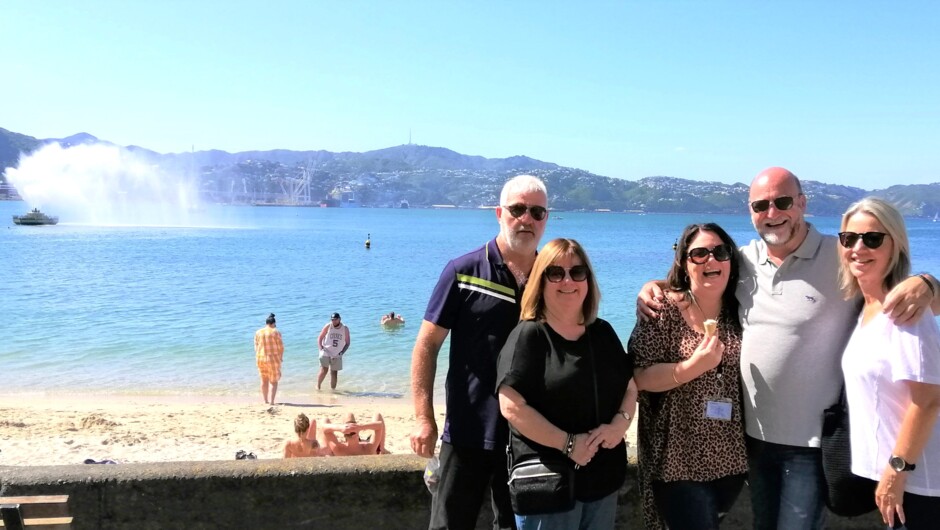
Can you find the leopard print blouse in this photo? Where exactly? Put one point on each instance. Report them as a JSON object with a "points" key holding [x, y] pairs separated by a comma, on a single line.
{"points": [[676, 441]]}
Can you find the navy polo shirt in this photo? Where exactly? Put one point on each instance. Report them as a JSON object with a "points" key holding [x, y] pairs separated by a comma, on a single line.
{"points": [[477, 299]]}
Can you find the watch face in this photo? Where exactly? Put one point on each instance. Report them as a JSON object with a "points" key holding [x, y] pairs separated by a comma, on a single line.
{"points": [[896, 463]]}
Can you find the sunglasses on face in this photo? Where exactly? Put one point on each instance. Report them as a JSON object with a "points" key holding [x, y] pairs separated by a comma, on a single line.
{"points": [[518, 210], [871, 240], [555, 274], [780, 203], [699, 255]]}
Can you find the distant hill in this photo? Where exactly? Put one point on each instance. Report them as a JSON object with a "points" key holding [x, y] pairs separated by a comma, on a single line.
{"points": [[425, 176]]}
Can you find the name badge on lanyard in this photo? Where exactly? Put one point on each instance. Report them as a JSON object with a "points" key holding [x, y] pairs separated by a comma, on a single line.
{"points": [[719, 408]]}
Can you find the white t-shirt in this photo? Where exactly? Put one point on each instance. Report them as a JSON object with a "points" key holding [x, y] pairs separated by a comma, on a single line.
{"points": [[879, 357]]}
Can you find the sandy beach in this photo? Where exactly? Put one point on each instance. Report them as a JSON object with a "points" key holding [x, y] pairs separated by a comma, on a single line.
{"points": [[68, 429]]}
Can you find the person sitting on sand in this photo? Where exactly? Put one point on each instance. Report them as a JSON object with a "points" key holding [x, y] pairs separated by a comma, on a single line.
{"points": [[306, 444], [392, 319], [353, 444]]}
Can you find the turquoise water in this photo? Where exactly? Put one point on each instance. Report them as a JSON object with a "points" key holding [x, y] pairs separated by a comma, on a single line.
{"points": [[172, 310]]}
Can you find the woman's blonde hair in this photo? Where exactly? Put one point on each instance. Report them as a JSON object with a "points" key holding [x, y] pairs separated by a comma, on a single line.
{"points": [[900, 265], [533, 303]]}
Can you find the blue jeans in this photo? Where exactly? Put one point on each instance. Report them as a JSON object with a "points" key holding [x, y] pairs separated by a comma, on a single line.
{"points": [[692, 505], [787, 486], [596, 515]]}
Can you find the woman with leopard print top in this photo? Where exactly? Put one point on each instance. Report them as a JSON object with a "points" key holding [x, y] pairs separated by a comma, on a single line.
{"points": [[691, 433]]}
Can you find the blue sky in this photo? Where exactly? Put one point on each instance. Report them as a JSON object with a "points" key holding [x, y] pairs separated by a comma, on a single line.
{"points": [[837, 91]]}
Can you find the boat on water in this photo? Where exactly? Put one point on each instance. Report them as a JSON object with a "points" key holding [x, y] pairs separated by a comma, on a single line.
{"points": [[34, 218]]}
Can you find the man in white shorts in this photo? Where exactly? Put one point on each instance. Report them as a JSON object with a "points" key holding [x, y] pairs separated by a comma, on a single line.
{"points": [[333, 343]]}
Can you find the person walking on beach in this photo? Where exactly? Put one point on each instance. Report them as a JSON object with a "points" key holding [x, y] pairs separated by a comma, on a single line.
{"points": [[269, 353], [333, 343], [795, 325], [477, 299]]}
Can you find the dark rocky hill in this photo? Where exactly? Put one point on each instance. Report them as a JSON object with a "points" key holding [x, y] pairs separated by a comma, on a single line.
{"points": [[425, 176]]}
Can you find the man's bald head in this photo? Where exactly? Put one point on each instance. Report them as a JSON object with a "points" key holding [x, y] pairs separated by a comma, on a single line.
{"points": [[777, 207], [776, 177]]}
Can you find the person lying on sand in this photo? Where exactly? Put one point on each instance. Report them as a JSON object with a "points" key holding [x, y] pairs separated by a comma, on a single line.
{"points": [[306, 444], [354, 443]]}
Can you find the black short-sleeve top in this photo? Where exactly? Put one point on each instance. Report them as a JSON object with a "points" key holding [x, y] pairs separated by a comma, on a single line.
{"points": [[558, 377]]}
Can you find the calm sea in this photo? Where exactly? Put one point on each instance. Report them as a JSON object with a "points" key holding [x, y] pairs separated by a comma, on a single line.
{"points": [[172, 310]]}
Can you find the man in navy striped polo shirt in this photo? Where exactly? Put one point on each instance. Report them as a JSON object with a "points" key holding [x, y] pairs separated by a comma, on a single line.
{"points": [[476, 300]]}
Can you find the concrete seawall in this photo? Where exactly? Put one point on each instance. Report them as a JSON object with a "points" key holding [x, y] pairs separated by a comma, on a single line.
{"points": [[348, 493]]}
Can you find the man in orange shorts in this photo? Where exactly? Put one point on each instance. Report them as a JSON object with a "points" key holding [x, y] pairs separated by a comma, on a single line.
{"points": [[269, 352]]}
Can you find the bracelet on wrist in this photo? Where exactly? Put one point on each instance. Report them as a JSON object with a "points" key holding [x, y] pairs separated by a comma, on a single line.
{"points": [[933, 291], [569, 445], [675, 368]]}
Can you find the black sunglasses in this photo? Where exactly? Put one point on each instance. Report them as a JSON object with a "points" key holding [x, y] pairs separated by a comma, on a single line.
{"points": [[780, 203], [518, 210], [555, 274], [871, 240], [699, 255]]}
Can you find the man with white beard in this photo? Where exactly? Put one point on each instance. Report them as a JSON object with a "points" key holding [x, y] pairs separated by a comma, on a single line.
{"points": [[477, 300]]}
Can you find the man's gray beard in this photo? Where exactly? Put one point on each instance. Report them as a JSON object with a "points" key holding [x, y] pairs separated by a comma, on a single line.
{"points": [[515, 244], [777, 238]]}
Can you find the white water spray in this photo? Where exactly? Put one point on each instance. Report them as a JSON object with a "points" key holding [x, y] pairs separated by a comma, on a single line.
{"points": [[102, 184]]}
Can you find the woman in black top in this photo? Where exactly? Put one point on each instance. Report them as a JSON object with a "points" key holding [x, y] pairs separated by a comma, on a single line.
{"points": [[565, 386]]}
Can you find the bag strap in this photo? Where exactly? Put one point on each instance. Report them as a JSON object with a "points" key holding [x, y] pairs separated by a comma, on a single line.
{"points": [[597, 408]]}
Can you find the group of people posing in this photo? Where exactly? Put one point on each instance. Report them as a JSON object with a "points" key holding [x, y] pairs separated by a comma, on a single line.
{"points": [[332, 343], [734, 358]]}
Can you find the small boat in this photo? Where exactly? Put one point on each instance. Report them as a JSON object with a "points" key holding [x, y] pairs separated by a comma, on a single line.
{"points": [[35, 218]]}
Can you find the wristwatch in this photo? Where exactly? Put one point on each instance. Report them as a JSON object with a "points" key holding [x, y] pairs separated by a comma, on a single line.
{"points": [[624, 414], [899, 464]]}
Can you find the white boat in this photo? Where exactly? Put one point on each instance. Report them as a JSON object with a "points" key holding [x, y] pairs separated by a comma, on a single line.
{"points": [[35, 218]]}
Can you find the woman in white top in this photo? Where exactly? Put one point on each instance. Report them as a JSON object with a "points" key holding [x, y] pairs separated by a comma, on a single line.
{"points": [[892, 373]]}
